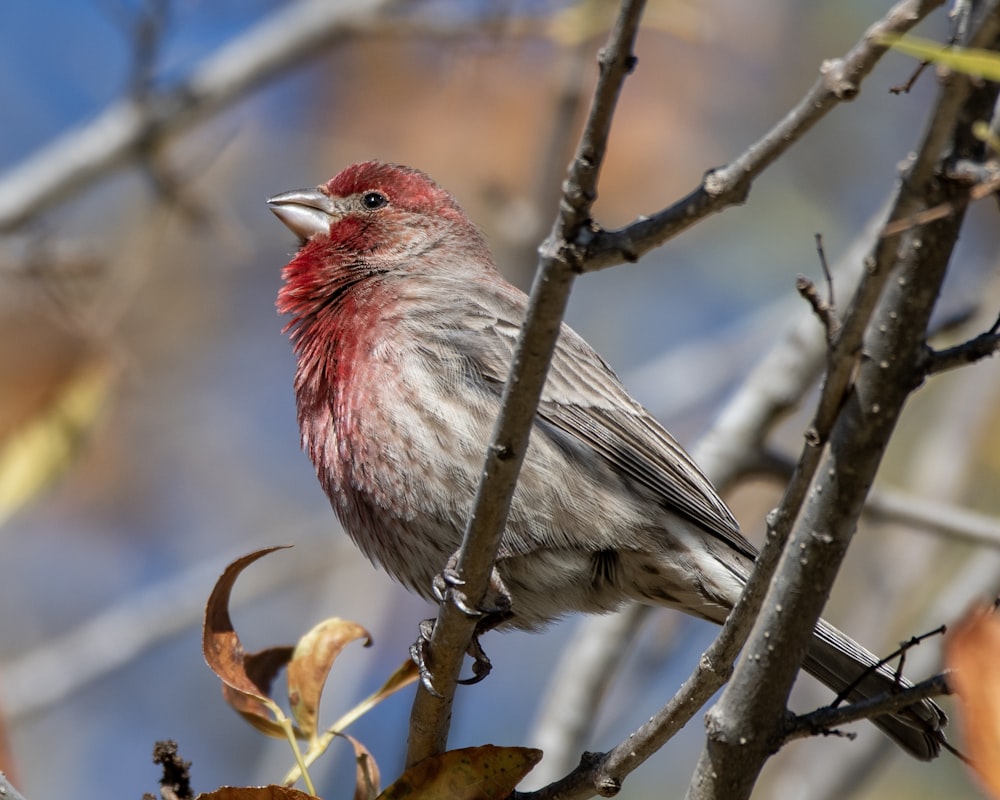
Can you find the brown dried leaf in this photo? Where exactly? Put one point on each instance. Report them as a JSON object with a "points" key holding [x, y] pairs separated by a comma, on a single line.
{"points": [[242, 675], [367, 777], [972, 652], [255, 793], [472, 773], [261, 668], [310, 665]]}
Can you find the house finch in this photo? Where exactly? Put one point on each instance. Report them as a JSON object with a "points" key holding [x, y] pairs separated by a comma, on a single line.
{"points": [[404, 332]]}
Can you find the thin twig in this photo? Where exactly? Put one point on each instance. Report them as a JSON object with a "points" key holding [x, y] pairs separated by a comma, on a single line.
{"points": [[77, 158], [906, 86], [983, 346], [900, 653], [942, 210], [825, 719], [839, 81], [821, 307], [942, 519]]}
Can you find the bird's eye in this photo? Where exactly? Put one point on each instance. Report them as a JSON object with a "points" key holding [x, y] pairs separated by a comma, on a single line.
{"points": [[373, 200]]}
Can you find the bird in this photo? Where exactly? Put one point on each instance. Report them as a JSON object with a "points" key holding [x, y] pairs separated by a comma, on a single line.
{"points": [[403, 330]]}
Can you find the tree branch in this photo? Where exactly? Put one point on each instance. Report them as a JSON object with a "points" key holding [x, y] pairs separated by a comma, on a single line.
{"points": [[983, 346], [864, 414], [561, 258], [828, 718], [130, 127], [840, 80], [943, 519]]}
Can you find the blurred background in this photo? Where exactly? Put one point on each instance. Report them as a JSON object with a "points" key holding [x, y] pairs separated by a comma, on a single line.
{"points": [[147, 422]]}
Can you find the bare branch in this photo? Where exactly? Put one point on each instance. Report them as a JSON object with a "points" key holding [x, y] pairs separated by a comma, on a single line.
{"points": [[284, 39], [839, 80], [825, 719], [983, 346], [943, 519], [863, 416], [560, 261]]}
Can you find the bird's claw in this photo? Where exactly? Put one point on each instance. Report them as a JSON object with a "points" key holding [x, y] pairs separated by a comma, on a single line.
{"points": [[481, 664], [448, 585], [419, 652]]}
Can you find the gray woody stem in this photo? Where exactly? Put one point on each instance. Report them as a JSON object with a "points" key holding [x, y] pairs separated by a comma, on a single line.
{"points": [[560, 262], [745, 726]]}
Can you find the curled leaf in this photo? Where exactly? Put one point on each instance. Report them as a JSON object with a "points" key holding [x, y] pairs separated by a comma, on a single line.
{"points": [[367, 776], [472, 773], [310, 664], [243, 676], [261, 668], [972, 652]]}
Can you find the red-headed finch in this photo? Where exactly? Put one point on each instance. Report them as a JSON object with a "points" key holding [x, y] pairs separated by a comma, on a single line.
{"points": [[404, 331]]}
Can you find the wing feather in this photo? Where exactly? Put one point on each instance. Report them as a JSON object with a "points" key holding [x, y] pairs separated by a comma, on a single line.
{"points": [[585, 400]]}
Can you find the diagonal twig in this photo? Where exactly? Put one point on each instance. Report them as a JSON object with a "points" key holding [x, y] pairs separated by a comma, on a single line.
{"points": [[839, 81], [128, 128]]}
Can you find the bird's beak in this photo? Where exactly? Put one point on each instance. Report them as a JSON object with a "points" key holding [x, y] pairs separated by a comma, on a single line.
{"points": [[306, 212]]}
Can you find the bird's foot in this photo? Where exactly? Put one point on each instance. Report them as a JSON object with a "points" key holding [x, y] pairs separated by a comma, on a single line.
{"points": [[419, 655], [449, 586], [481, 664]]}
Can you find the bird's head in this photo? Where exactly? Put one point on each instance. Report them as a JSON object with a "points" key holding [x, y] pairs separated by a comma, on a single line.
{"points": [[378, 214]]}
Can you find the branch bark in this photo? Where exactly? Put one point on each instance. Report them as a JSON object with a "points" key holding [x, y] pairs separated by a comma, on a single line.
{"points": [[839, 81], [561, 260], [863, 413], [732, 445], [130, 127]]}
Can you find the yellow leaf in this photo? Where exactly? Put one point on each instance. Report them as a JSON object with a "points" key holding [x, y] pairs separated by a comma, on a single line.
{"points": [[38, 452], [971, 61], [310, 664]]}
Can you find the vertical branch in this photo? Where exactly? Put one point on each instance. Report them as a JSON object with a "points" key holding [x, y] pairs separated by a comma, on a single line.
{"points": [[560, 260], [861, 403]]}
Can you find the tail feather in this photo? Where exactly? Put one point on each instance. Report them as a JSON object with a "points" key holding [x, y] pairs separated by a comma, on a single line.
{"points": [[838, 661]]}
